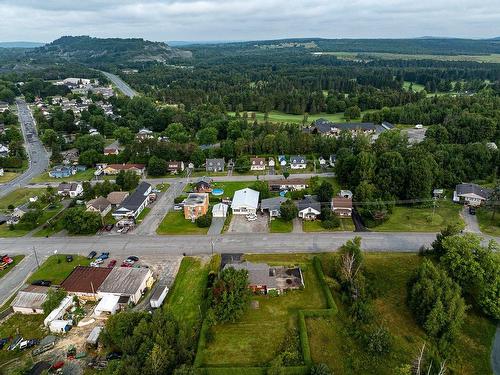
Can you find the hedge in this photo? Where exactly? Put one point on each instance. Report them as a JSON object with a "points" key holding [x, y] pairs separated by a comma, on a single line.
{"points": [[330, 303]]}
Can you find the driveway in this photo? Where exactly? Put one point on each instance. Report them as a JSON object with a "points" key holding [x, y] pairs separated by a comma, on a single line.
{"points": [[471, 224], [240, 224], [217, 225], [297, 226]]}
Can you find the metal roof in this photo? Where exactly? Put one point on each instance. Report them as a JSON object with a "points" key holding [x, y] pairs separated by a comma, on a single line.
{"points": [[85, 279], [124, 280]]}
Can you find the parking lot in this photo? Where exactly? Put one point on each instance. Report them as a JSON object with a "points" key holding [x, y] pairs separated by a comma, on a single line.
{"points": [[240, 224]]}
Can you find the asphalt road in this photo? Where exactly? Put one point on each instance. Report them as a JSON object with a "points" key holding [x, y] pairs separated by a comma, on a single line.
{"points": [[38, 156], [120, 84]]}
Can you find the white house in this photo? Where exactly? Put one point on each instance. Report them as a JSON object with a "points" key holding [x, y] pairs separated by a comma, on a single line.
{"points": [[346, 194], [271, 162], [245, 201], [72, 189], [220, 210], [298, 162], [134, 204], [158, 296], [309, 208], [471, 194], [257, 164]]}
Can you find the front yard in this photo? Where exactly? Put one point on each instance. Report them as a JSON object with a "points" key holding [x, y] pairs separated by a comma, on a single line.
{"points": [[279, 225], [175, 223], [19, 196], [346, 225], [8, 176], [55, 269], [486, 223]]}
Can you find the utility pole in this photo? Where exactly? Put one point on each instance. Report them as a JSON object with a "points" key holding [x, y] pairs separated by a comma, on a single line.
{"points": [[36, 258]]}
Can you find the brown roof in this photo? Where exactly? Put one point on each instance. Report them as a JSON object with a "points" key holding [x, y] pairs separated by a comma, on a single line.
{"points": [[85, 279], [125, 167], [290, 181], [117, 197], [257, 161], [341, 202], [99, 203]]}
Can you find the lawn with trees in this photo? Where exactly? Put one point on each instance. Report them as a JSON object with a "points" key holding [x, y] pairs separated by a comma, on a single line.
{"points": [[55, 269], [174, 223]]}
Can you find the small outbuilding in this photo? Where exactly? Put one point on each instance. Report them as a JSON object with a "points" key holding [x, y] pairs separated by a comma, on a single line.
{"points": [[158, 296], [220, 210], [30, 300], [93, 337]]}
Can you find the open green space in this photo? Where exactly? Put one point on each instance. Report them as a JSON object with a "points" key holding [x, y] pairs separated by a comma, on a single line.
{"points": [[487, 223], [417, 87], [143, 214], [86, 175], [56, 268], [17, 259], [19, 196], [163, 187], [255, 339], [229, 187], [22, 229], [276, 116], [315, 226], [414, 219], [8, 176], [279, 225], [388, 274], [175, 223]]}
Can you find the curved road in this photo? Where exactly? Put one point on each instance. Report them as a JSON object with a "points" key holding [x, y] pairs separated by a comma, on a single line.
{"points": [[37, 155], [120, 84]]}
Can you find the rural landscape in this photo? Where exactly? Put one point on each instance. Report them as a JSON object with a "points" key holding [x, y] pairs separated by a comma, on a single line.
{"points": [[263, 206]]}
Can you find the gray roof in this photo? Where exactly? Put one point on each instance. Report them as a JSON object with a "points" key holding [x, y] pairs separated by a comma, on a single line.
{"points": [[158, 291], [272, 203], [324, 126], [298, 159], [258, 273], [309, 201], [124, 280], [216, 162], [134, 200], [47, 340], [473, 189], [29, 299]]}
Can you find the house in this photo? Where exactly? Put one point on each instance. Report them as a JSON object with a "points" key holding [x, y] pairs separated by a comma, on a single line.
{"points": [[330, 129], [18, 213], [114, 169], [438, 193], [132, 206], [195, 205], [4, 150], [202, 186], [62, 171], [4, 106], [128, 282], [111, 150], [346, 194], [332, 160], [116, 197], [471, 194], [70, 189], [83, 281], [144, 134], [264, 278], [220, 210], [272, 206], [215, 165], [322, 162], [298, 162], [100, 205], [70, 156], [288, 184], [175, 166], [309, 207], [271, 162], [30, 299], [257, 164], [245, 201], [342, 206]]}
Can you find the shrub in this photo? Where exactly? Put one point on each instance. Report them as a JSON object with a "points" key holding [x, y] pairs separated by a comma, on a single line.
{"points": [[204, 221], [379, 341]]}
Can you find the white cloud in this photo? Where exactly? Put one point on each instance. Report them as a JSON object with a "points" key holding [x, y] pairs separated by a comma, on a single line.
{"points": [[250, 19]]}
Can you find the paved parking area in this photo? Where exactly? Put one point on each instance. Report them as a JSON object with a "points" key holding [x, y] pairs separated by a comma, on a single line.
{"points": [[217, 225], [240, 224]]}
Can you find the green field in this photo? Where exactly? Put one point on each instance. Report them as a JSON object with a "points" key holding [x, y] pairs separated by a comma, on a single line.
{"points": [[255, 339], [86, 175], [142, 215], [17, 259], [486, 224], [21, 229], [19, 196], [56, 269], [315, 226], [8, 176], [229, 187], [412, 219], [280, 226], [175, 223], [417, 87], [276, 116]]}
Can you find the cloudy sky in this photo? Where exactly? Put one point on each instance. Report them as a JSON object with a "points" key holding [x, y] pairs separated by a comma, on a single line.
{"points": [[45, 20]]}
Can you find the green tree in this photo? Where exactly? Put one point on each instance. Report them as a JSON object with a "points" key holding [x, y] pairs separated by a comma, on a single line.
{"points": [[89, 158], [30, 218], [288, 210], [90, 142], [242, 164], [325, 192], [157, 166], [320, 369], [230, 295], [77, 220], [207, 136], [127, 180], [123, 135], [53, 300], [176, 132], [352, 112], [262, 187]]}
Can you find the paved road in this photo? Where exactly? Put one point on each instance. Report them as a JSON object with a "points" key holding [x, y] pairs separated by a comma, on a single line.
{"points": [[121, 84], [38, 156], [495, 353], [471, 224], [11, 282]]}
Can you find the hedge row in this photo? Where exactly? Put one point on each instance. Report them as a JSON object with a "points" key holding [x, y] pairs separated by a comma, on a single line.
{"points": [[330, 303]]}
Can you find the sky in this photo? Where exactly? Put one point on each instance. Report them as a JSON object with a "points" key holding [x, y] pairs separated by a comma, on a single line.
{"points": [[204, 20]]}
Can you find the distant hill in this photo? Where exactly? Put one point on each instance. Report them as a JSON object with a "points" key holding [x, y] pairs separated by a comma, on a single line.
{"points": [[88, 50], [20, 44]]}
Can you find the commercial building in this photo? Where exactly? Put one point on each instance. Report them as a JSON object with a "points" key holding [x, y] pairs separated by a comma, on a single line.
{"points": [[134, 204], [83, 281], [30, 300]]}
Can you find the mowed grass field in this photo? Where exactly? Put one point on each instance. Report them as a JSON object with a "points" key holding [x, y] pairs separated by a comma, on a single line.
{"points": [[8, 176], [175, 223], [280, 226], [19, 196], [255, 339], [277, 116], [487, 224], [346, 225], [86, 175], [55, 269], [413, 219], [388, 274]]}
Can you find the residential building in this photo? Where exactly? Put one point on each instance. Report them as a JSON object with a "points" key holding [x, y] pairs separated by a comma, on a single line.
{"points": [[332, 160], [30, 300], [220, 210], [129, 282], [298, 162], [114, 169], [116, 197], [4, 106], [203, 186], [63, 171], [132, 206], [288, 184], [346, 194], [100, 205], [271, 162], [331, 129], [195, 205], [215, 165], [111, 150], [144, 134], [471, 194], [272, 206], [4, 151], [83, 281], [257, 164], [245, 201], [264, 278], [70, 156], [175, 166], [342, 206], [70, 189], [309, 207]]}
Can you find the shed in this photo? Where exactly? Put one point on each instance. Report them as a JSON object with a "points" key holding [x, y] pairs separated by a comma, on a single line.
{"points": [[30, 300], [60, 326], [158, 296], [220, 210], [59, 311], [108, 304], [93, 337]]}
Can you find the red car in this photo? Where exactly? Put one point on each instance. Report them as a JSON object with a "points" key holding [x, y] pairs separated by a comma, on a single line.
{"points": [[7, 259], [57, 365], [124, 264], [112, 263]]}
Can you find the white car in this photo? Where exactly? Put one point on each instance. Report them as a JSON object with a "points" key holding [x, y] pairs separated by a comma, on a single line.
{"points": [[96, 262], [419, 126], [177, 208]]}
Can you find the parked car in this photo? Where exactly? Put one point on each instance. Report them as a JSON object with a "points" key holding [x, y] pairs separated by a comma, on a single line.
{"points": [[3, 342], [112, 263], [6, 259], [472, 210], [91, 255], [113, 355], [69, 258], [125, 264], [103, 256], [57, 365], [41, 283], [96, 262], [15, 343], [134, 258], [177, 207]]}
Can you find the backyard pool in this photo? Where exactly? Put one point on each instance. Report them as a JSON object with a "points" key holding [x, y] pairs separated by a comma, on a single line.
{"points": [[217, 191]]}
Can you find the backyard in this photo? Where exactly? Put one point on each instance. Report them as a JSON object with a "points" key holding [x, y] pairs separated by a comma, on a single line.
{"points": [[175, 223], [85, 175], [19, 197], [16, 259], [55, 269]]}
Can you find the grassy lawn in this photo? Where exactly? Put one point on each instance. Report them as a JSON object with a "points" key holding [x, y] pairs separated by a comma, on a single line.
{"points": [[142, 215], [388, 273], [86, 175], [228, 187], [8, 176], [17, 259], [56, 269], [255, 339], [412, 219], [280, 226], [174, 223], [276, 116], [21, 230], [417, 87], [187, 293], [162, 187], [487, 225], [315, 226], [28, 326], [18, 197]]}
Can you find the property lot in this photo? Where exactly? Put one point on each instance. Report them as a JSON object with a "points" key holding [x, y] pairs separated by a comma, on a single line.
{"points": [[175, 223], [55, 269], [346, 225], [240, 224]]}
